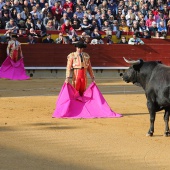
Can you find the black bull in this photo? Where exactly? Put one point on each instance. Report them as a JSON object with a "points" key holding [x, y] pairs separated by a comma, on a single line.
{"points": [[154, 78]]}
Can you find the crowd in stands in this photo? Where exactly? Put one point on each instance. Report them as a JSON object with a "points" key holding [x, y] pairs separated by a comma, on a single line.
{"points": [[84, 20]]}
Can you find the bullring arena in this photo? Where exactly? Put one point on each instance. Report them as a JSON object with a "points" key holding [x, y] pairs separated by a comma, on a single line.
{"points": [[32, 139]]}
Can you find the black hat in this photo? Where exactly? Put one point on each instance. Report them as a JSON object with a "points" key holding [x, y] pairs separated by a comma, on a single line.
{"points": [[80, 45], [14, 36]]}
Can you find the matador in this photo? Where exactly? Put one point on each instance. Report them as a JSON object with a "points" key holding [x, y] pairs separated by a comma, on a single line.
{"points": [[79, 61]]}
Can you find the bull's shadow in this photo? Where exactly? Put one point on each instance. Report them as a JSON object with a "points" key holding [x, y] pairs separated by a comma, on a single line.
{"points": [[139, 114]]}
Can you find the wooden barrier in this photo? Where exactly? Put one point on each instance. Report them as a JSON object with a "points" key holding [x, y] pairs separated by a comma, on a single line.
{"points": [[54, 55]]}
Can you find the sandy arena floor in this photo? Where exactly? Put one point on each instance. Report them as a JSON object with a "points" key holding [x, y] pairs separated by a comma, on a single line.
{"points": [[31, 140]]}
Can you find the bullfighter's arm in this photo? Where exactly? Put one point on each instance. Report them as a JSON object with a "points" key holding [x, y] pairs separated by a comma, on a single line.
{"points": [[69, 66], [90, 70]]}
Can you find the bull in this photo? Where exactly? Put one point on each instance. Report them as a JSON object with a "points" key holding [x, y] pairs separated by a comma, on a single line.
{"points": [[154, 78]]}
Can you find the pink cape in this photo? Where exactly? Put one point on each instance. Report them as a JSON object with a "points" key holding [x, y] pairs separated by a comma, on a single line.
{"points": [[13, 70], [91, 105]]}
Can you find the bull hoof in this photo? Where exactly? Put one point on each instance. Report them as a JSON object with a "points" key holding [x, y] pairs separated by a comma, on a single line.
{"points": [[167, 134], [150, 134]]}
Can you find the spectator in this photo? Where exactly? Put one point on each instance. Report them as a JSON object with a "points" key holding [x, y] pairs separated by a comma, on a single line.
{"points": [[86, 27], [165, 12], [101, 20], [76, 26], [135, 41], [78, 4], [145, 9], [5, 19], [162, 29], [5, 9], [67, 28], [50, 26], [97, 40], [31, 40], [21, 24], [108, 13], [123, 27], [160, 18], [123, 40], [115, 26], [149, 22], [111, 19], [11, 26], [74, 40], [8, 4], [33, 33], [27, 5], [57, 11], [14, 14], [68, 4], [154, 28], [106, 26], [61, 39], [125, 9], [103, 6], [95, 33], [91, 5], [156, 35], [64, 18], [142, 26], [35, 11], [46, 10], [85, 18], [75, 18], [109, 40], [83, 36], [42, 3], [87, 40], [146, 34], [130, 20], [39, 26], [69, 13], [79, 13], [135, 28], [48, 39], [98, 14], [21, 33], [94, 25], [17, 6], [2, 3], [113, 7], [47, 18], [29, 24], [35, 18], [18, 19], [135, 9]]}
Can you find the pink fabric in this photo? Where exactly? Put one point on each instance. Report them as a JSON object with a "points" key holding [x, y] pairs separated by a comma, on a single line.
{"points": [[13, 70], [91, 105]]}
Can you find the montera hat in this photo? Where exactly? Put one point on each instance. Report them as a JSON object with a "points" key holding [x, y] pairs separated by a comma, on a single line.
{"points": [[80, 45], [14, 36]]}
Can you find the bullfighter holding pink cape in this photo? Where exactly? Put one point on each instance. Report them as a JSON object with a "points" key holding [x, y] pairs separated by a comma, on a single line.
{"points": [[75, 101], [13, 68]]}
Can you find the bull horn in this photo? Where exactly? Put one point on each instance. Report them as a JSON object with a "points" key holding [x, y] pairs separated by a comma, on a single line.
{"points": [[133, 62]]}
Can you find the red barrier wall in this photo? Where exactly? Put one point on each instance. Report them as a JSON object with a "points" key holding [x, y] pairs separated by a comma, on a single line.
{"points": [[53, 55]]}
